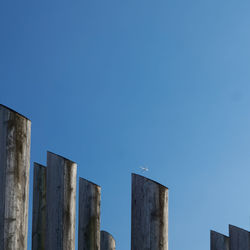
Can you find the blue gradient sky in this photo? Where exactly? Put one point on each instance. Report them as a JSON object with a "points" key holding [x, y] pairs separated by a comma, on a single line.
{"points": [[114, 85]]}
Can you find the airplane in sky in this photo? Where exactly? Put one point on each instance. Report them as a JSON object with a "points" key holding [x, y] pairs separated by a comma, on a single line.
{"points": [[144, 169]]}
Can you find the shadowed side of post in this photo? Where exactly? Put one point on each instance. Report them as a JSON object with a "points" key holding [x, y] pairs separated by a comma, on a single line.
{"points": [[218, 241], [239, 238], [149, 215], [39, 208], [89, 215], [14, 179], [61, 203], [107, 241]]}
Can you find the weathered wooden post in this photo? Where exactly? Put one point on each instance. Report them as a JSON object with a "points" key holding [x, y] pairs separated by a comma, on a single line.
{"points": [[149, 214], [89, 215], [107, 241], [39, 208], [239, 238], [61, 203], [218, 241], [14, 179]]}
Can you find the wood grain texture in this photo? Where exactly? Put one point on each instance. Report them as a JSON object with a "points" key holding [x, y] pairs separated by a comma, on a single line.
{"points": [[107, 241], [39, 208], [149, 215], [218, 241], [239, 238], [61, 203], [14, 179], [89, 215]]}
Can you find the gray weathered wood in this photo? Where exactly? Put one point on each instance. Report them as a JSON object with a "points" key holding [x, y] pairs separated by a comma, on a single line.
{"points": [[14, 179], [89, 215], [218, 241], [239, 238], [61, 203], [107, 241], [149, 215], [39, 208]]}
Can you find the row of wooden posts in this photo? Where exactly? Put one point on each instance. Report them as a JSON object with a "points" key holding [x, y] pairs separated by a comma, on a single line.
{"points": [[54, 200]]}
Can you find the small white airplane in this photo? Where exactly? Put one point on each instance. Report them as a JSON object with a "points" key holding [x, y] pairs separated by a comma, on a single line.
{"points": [[144, 169]]}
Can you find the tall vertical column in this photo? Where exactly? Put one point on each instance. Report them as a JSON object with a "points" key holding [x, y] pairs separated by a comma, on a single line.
{"points": [[89, 215], [218, 241], [39, 208], [149, 215], [239, 238], [14, 179], [107, 241], [61, 203]]}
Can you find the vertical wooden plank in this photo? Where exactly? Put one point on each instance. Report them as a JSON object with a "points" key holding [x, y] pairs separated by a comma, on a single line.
{"points": [[61, 203], [218, 241], [149, 214], [107, 241], [239, 238], [39, 208], [14, 179], [89, 215]]}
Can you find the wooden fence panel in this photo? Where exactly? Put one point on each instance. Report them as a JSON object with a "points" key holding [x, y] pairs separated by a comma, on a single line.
{"points": [[14, 179], [107, 241], [239, 238], [218, 241], [61, 203], [89, 215], [39, 208], [149, 214]]}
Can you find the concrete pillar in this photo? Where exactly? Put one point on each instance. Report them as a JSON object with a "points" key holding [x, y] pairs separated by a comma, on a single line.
{"points": [[89, 215], [149, 215], [107, 241], [239, 238], [39, 208], [14, 179], [61, 203], [218, 241]]}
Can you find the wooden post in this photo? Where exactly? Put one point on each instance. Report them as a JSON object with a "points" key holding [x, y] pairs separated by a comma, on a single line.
{"points": [[14, 179], [239, 238], [61, 203], [149, 214], [39, 208], [89, 215], [218, 241], [107, 241]]}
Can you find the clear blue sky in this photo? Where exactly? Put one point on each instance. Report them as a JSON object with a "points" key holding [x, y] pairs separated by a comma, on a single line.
{"points": [[114, 85]]}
